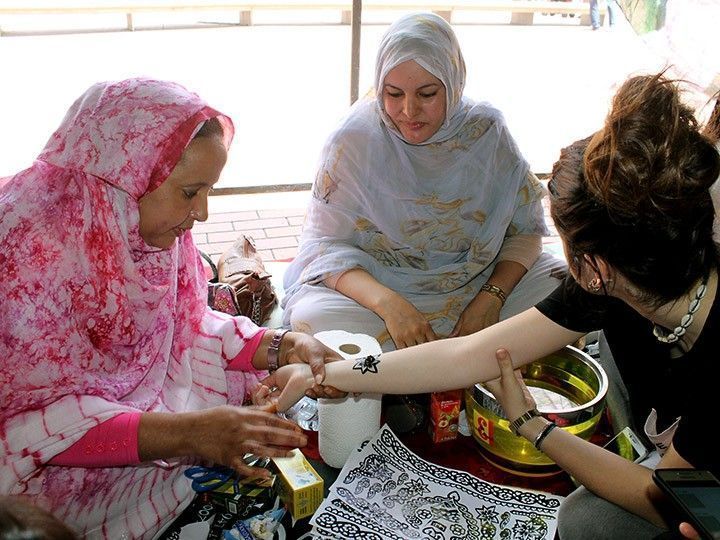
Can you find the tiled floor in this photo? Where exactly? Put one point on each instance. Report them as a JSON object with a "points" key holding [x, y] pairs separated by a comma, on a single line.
{"points": [[275, 223]]}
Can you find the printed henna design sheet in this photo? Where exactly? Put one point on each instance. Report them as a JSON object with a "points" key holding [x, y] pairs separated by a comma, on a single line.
{"points": [[384, 491]]}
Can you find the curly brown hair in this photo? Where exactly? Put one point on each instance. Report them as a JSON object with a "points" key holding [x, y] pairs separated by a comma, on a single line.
{"points": [[636, 192]]}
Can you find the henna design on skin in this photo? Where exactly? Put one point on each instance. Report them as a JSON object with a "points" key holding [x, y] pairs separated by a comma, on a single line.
{"points": [[369, 364]]}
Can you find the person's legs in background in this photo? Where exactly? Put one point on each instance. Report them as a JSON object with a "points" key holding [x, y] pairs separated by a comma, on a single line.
{"points": [[612, 10], [594, 14]]}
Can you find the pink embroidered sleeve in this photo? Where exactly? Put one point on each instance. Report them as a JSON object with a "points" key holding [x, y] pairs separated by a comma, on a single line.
{"points": [[243, 361], [113, 443]]}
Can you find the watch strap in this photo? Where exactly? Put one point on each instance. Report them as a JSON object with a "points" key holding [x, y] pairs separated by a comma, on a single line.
{"points": [[528, 415], [273, 353]]}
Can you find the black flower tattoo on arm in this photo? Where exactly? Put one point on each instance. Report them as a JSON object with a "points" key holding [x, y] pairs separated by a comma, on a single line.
{"points": [[369, 364]]}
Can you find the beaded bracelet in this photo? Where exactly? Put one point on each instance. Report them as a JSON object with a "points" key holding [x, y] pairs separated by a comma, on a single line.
{"points": [[519, 421], [496, 291], [544, 433]]}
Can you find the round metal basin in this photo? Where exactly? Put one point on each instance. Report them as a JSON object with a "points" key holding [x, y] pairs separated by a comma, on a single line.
{"points": [[569, 387]]}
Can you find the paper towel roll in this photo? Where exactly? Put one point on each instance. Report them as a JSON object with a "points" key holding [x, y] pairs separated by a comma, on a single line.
{"points": [[344, 424]]}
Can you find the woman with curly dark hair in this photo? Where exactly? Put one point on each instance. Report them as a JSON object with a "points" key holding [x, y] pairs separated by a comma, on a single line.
{"points": [[632, 204]]}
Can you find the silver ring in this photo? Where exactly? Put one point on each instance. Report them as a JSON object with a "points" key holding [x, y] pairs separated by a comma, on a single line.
{"points": [[273, 389]]}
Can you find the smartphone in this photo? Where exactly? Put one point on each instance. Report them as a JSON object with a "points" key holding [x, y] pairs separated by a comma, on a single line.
{"points": [[628, 445], [696, 494]]}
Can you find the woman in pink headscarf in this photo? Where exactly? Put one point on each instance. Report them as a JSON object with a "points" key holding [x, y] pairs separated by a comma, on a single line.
{"points": [[111, 361]]}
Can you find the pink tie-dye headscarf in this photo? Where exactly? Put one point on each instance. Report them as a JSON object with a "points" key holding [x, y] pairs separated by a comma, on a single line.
{"points": [[93, 321]]}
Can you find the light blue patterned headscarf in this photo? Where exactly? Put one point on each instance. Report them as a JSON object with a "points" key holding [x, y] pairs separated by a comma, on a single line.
{"points": [[430, 41], [422, 219]]}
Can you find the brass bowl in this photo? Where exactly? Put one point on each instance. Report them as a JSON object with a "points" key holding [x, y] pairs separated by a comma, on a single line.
{"points": [[569, 387]]}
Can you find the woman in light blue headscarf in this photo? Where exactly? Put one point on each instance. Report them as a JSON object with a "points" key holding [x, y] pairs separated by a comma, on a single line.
{"points": [[425, 219]]}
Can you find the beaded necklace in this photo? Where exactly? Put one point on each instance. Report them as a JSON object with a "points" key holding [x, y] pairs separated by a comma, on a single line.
{"points": [[663, 336]]}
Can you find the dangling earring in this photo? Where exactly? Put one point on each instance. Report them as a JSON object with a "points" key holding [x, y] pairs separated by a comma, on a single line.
{"points": [[594, 285]]}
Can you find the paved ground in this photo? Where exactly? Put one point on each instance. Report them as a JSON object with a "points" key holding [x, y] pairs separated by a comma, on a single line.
{"points": [[275, 223]]}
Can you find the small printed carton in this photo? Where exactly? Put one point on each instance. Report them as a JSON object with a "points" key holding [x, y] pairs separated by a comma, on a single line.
{"points": [[444, 415], [246, 496], [298, 484]]}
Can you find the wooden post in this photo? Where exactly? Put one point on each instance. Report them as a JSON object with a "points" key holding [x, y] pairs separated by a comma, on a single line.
{"points": [[246, 17], [445, 14], [355, 30], [522, 18]]}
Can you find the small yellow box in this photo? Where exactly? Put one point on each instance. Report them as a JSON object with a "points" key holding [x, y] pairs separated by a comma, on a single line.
{"points": [[299, 485]]}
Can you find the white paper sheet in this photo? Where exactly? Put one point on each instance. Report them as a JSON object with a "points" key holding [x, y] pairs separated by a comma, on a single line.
{"points": [[384, 491]]}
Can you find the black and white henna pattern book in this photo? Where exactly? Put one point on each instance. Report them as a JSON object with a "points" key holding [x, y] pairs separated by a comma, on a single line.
{"points": [[387, 492]]}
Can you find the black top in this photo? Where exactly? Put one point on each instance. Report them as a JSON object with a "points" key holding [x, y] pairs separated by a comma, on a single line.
{"points": [[684, 386]]}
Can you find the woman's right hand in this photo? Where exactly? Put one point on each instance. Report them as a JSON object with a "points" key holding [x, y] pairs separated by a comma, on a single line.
{"points": [[405, 324], [223, 435], [510, 389]]}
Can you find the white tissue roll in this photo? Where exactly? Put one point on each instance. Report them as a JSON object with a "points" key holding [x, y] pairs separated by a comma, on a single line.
{"points": [[349, 345], [344, 424]]}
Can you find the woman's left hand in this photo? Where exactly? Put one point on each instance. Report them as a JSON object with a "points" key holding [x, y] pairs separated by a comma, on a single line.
{"points": [[481, 312], [305, 349], [509, 389]]}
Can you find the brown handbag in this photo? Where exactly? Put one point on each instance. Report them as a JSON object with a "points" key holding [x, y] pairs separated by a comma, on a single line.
{"points": [[242, 268]]}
